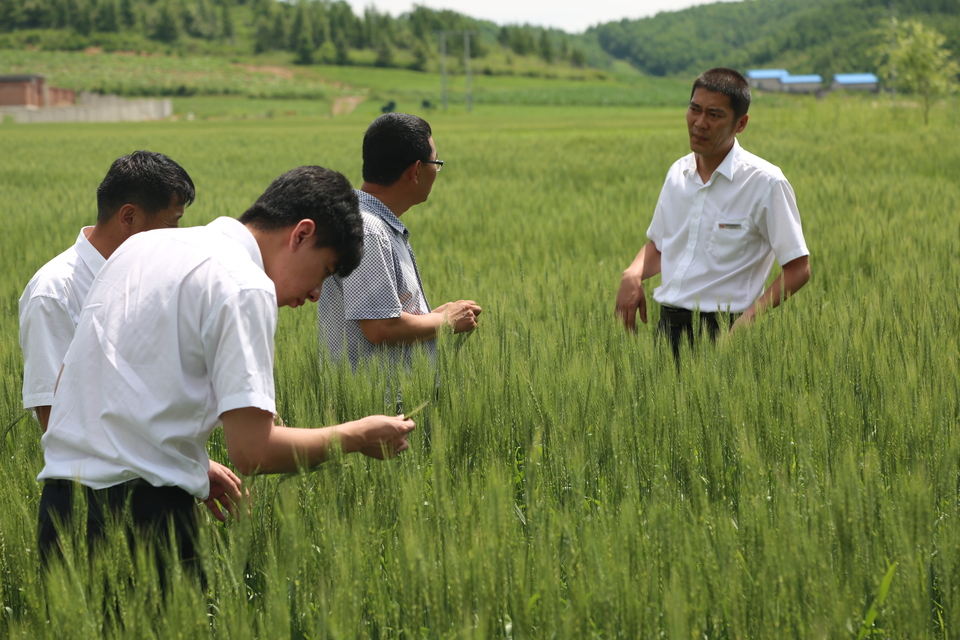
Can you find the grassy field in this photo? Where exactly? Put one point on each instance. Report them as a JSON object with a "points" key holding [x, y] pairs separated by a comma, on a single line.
{"points": [[798, 481], [269, 85]]}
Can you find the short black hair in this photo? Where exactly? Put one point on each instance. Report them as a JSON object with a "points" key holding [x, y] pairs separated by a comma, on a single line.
{"points": [[150, 180], [322, 195], [728, 82], [392, 143]]}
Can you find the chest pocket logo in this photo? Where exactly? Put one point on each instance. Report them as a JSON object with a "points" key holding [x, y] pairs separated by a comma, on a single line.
{"points": [[729, 238]]}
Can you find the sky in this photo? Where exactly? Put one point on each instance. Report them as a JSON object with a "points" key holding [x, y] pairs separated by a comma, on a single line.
{"points": [[573, 16]]}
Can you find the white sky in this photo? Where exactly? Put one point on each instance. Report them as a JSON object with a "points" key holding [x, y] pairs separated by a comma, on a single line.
{"points": [[573, 16]]}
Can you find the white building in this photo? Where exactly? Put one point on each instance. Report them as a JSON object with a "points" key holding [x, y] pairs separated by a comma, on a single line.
{"points": [[766, 79], [802, 84], [855, 82]]}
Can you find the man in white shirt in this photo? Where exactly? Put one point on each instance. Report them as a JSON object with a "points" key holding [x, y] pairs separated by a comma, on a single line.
{"points": [[141, 191], [723, 216], [176, 337], [381, 307]]}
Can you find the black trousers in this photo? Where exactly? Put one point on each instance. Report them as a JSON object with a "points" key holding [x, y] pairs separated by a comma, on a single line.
{"points": [[677, 325], [148, 514]]}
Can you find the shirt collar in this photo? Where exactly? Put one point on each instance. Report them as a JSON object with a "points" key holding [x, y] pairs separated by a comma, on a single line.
{"points": [[88, 253], [238, 232], [726, 167], [372, 204]]}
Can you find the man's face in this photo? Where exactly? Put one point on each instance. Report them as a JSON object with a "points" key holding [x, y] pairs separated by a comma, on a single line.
{"points": [[428, 172], [168, 218], [303, 274], [712, 124]]}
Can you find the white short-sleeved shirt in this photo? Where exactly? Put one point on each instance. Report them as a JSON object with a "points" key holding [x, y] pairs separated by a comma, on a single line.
{"points": [[718, 240], [177, 329], [49, 311], [386, 283]]}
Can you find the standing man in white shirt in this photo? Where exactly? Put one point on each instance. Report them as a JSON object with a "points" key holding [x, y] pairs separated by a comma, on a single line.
{"points": [[177, 337], [381, 307], [141, 191], [723, 215]]}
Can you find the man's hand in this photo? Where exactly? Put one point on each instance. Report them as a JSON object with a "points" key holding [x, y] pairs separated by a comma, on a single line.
{"points": [[379, 437], [793, 276], [461, 315], [630, 299], [745, 320], [224, 492]]}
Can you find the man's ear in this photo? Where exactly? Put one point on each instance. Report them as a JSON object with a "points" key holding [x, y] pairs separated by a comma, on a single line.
{"points": [[743, 123], [131, 219], [412, 173], [302, 234]]}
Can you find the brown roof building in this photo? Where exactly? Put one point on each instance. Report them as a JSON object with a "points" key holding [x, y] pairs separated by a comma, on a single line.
{"points": [[30, 90]]}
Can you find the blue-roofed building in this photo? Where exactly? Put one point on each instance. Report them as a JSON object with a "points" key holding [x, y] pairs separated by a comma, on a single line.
{"points": [[855, 82], [766, 79], [802, 84]]}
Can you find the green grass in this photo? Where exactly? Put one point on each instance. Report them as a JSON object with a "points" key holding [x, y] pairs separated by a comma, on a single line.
{"points": [[272, 78], [574, 485]]}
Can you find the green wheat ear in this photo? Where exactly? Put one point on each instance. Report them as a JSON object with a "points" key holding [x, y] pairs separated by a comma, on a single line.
{"points": [[420, 407]]}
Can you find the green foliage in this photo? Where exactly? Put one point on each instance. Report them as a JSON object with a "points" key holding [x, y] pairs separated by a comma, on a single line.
{"points": [[167, 26], [573, 484], [804, 36], [157, 75], [235, 27], [918, 62]]}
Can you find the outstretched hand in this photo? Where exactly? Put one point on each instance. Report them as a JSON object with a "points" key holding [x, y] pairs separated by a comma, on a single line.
{"points": [[225, 492]]}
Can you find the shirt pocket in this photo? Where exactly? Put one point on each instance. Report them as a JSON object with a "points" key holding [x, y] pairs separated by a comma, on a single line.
{"points": [[730, 238]]}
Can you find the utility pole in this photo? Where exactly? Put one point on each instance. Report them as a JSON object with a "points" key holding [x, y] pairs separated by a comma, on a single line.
{"points": [[466, 66], [893, 44], [443, 66]]}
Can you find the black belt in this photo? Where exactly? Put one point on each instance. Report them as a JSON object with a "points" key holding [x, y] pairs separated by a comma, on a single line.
{"points": [[676, 315], [61, 483]]}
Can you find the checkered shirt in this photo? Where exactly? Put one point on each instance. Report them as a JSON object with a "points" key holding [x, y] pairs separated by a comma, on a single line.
{"points": [[386, 283]]}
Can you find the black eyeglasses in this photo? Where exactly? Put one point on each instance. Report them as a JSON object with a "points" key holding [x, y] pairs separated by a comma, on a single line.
{"points": [[439, 163]]}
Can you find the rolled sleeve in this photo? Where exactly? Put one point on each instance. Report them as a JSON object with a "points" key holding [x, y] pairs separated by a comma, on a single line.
{"points": [[46, 330], [238, 346], [370, 292]]}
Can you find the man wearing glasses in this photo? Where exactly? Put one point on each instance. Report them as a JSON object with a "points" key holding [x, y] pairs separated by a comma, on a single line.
{"points": [[381, 306]]}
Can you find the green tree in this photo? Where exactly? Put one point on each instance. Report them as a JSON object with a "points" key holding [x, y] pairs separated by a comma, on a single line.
{"points": [[546, 47], [263, 36], [108, 19], [302, 35], [166, 28], [279, 30], [82, 16], [226, 23], [384, 54], [343, 51], [578, 58], [128, 14], [305, 48], [420, 56], [918, 62]]}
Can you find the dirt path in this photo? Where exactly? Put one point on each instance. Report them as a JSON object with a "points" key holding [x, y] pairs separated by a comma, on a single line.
{"points": [[346, 104]]}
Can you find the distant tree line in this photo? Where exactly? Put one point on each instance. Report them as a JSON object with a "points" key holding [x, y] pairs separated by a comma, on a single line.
{"points": [[806, 36], [313, 30]]}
